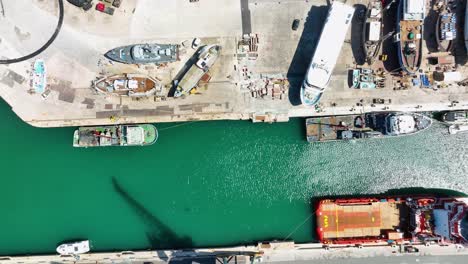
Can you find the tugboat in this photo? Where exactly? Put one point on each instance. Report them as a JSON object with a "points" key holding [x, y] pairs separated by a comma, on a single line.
{"points": [[118, 135], [370, 125], [206, 59], [39, 77], [133, 85], [410, 24], [75, 248], [405, 220], [372, 31], [144, 53], [446, 31]]}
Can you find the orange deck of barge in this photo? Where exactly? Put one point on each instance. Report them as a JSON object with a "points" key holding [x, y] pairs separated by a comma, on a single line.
{"points": [[353, 221]]}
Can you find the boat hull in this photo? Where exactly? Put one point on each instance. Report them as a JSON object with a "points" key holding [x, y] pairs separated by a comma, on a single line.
{"points": [[206, 59], [410, 64], [117, 135], [371, 48], [357, 127], [39, 79], [132, 85], [76, 248], [390, 219], [445, 45], [125, 54]]}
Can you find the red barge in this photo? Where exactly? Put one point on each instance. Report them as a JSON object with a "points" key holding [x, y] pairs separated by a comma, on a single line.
{"points": [[420, 219]]}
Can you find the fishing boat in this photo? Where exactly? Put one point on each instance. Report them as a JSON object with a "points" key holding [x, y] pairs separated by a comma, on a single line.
{"points": [[144, 53], [417, 219], [370, 125], [410, 24], [372, 31], [205, 61], [455, 117], [446, 30], [457, 128], [39, 78], [117, 135], [74, 248], [133, 85]]}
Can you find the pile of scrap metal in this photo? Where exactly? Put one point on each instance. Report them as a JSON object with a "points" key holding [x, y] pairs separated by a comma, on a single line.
{"points": [[269, 88], [247, 47]]}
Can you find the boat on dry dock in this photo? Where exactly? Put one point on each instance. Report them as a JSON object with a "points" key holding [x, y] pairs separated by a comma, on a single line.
{"points": [[446, 30], [128, 84], [39, 76], [425, 219], [205, 61], [372, 31], [410, 24], [74, 248], [116, 135], [144, 53], [369, 125]]}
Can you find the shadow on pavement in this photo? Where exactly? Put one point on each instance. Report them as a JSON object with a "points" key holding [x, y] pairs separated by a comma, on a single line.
{"points": [[159, 234], [305, 49]]}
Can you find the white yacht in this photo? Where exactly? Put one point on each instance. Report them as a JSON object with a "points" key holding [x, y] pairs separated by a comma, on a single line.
{"points": [[74, 248]]}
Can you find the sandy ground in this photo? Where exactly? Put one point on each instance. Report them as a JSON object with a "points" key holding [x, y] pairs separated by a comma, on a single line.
{"points": [[76, 58]]}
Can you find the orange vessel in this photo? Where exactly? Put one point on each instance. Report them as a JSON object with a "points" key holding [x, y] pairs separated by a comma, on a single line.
{"points": [[422, 219]]}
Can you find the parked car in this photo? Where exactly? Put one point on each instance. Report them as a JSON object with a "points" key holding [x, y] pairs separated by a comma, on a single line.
{"points": [[295, 24], [196, 42], [84, 4], [103, 8]]}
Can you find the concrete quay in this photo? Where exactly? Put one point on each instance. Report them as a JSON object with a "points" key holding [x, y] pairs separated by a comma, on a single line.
{"points": [[273, 252], [76, 58]]}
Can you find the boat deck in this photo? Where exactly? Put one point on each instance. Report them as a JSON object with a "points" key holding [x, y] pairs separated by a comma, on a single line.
{"points": [[329, 128], [191, 78], [357, 220], [123, 84], [408, 26], [151, 133]]}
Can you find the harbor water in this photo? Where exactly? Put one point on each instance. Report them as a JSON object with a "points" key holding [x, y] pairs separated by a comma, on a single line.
{"points": [[202, 184]]}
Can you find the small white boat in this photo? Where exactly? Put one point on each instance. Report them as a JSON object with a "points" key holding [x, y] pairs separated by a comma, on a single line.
{"points": [[454, 129], [75, 248], [39, 78]]}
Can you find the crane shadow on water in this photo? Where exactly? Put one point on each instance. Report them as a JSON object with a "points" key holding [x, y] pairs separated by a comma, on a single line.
{"points": [[159, 234]]}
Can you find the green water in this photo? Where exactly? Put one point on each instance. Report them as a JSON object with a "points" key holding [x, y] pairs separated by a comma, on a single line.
{"points": [[201, 184]]}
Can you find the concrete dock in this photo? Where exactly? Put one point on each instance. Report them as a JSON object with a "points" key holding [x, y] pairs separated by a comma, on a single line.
{"points": [[270, 252], [76, 58]]}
